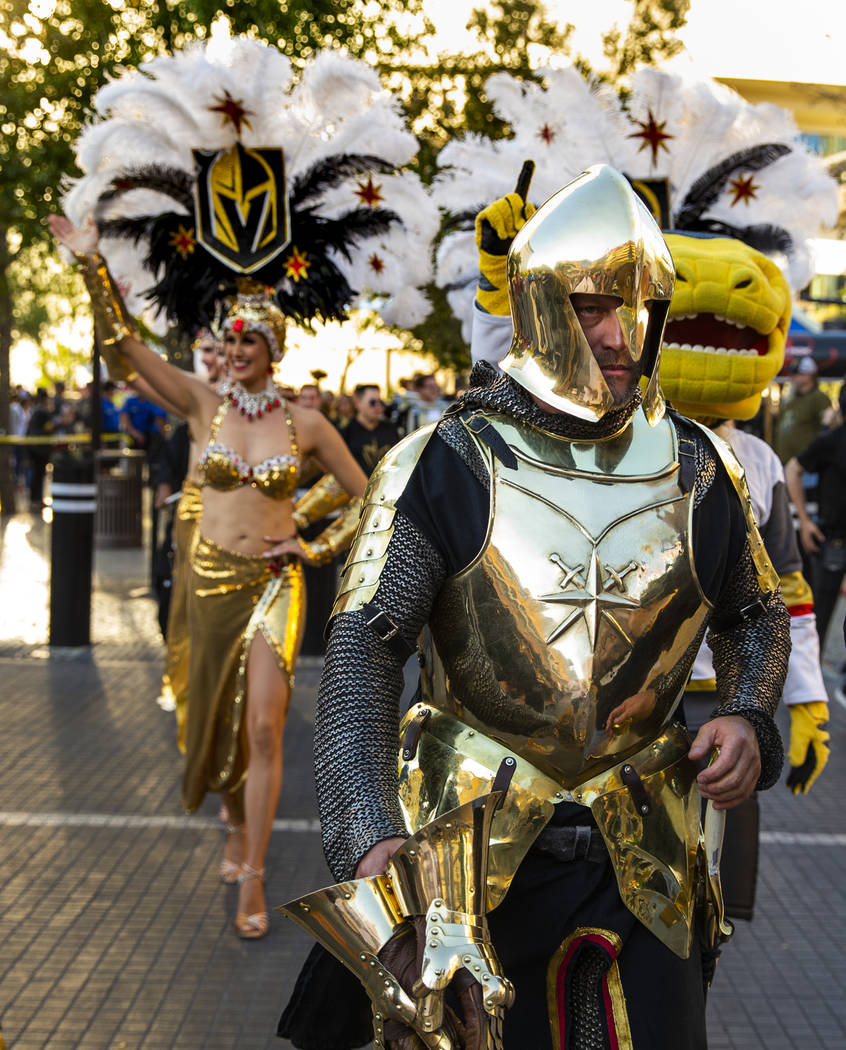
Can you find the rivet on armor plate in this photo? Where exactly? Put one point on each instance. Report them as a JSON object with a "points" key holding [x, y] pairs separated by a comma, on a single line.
{"points": [[387, 984], [305, 907], [363, 957], [369, 552], [361, 579], [433, 944], [348, 896], [471, 733], [438, 904], [468, 958]]}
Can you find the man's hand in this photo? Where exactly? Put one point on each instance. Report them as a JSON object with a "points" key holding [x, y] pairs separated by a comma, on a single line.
{"points": [[732, 776], [811, 536], [809, 749], [375, 860], [496, 227]]}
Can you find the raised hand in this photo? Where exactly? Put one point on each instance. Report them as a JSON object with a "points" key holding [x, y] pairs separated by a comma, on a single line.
{"points": [[81, 240]]}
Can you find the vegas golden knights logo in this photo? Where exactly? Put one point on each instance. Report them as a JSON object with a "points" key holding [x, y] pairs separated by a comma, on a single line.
{"points": [[655, 194], [241, 205]]}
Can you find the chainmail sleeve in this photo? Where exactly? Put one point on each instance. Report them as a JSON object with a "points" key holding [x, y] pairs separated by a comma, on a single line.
{"points": [[356, 729], [750, 659]]}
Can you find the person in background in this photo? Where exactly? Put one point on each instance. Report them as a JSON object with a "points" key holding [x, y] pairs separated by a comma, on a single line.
{"points": [[19, 412], [143, 422], [368, 435], [343, 411], [826, 542], [109, 414], [58, 397], [65, 421], [309, 396], [40, 425], [802, 412]]}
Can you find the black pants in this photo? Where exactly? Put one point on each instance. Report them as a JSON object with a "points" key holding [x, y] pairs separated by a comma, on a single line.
{"points": [[552, 904], [828, 569]]}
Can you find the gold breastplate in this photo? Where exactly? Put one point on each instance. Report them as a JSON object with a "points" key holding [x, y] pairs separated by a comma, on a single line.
{"points": [[570, 637]]}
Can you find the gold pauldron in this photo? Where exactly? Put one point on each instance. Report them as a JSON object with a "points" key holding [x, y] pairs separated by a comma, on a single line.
{"points": [[324, 497], [337, 536], [112, 320]]}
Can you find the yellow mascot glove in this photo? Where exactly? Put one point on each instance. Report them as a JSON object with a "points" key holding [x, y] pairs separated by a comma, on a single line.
{"points": [[496, 227], [809, 749]]}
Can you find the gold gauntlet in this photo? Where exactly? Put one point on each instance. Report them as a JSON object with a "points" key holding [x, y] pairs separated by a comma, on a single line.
{"points": [[336, 537], [112, 320], [321, 499]]}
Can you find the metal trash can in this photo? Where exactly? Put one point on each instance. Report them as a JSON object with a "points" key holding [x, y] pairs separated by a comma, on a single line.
{"points": [[120, 487]]}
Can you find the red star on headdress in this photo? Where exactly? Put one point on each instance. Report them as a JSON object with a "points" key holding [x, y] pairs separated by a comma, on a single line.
{"points": [[376, 264], [183, 241], [547, 134], [653, 135], [369, 194], [744, 189], [233, 111], [297, 264]]}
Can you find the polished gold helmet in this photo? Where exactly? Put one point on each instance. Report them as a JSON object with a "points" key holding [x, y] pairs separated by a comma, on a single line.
{"points": [[594, 236]]}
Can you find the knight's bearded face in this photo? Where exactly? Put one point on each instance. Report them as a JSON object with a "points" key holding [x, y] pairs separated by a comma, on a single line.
{"points": [[727, 327]]}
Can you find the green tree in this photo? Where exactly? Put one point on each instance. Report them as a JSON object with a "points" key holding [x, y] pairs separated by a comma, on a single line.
{"points": [[651, 35]]}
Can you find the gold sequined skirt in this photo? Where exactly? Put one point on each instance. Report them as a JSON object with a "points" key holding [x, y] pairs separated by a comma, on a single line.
{"points": [[186, 522], [233, 596]]}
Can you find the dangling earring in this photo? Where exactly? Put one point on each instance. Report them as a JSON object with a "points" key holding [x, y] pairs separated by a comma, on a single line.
{"points": [[270, 370]]}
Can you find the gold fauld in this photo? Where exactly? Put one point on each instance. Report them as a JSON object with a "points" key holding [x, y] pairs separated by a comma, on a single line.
{"points": [[594, 236], [654, 854], [368, 553], [337, 536], [112, 320], [568, 640], [768, 579], [324, 497]]}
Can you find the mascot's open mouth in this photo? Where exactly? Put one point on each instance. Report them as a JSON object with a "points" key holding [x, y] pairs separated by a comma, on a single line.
{"points": [[714, 334]]}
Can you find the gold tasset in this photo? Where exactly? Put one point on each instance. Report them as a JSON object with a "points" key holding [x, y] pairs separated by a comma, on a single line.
{"points": [[439, 876], [594, 236], [112, 321]]}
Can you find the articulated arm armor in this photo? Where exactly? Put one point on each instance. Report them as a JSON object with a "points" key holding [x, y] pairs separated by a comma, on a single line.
{"points": [[112, 320], [324, 497]]}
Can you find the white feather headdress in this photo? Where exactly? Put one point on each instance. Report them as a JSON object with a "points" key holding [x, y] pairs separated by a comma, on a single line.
{"points": [[364, 228], [731, 167]]}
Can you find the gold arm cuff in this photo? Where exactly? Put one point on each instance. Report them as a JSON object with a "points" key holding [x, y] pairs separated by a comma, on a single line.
{"points": [[112, 321], [321, 499], [337, 536]]}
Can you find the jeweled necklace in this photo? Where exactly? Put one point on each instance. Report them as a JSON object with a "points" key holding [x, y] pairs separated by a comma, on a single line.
{"points": [[253, 406]]}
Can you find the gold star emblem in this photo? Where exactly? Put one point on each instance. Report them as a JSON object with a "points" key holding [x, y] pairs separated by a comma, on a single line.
{"points": [[369, 193], [743, 188], [183, 241], [232, 111], [653, 135], [591, 599], [297, 264]]}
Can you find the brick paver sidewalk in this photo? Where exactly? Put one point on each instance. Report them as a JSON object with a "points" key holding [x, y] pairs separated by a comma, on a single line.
{"points": [[116, 933]]}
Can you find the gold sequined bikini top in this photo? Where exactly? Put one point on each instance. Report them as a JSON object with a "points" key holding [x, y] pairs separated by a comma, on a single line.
{"points": [[223, 469]]}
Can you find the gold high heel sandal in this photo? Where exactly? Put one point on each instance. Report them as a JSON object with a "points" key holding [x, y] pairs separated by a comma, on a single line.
{"points": [[251, 927], [230, 870]]}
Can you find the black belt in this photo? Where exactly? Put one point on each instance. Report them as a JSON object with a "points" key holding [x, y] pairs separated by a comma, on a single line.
{"points": [[572, 843]]}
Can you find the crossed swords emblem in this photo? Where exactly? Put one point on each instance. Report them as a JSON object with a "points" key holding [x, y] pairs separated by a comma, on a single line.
{"points": [[591, 597]]}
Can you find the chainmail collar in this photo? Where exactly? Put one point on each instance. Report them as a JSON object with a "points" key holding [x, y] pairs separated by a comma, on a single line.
{"points": [[493, 391]]}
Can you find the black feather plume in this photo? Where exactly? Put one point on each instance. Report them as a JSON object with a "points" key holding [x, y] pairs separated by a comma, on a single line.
{"points": [[328, 173], [764, 237], [172, 182], [707, 188]]}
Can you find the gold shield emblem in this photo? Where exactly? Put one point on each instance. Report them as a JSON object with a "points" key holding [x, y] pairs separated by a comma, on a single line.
{"points": [[241, 205]]}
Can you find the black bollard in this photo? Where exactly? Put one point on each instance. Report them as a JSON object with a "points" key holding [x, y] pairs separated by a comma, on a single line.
{"points": [[74, 493]]}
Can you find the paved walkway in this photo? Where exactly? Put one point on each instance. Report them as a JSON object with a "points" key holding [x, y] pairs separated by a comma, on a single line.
{"points": [[115, 932]]}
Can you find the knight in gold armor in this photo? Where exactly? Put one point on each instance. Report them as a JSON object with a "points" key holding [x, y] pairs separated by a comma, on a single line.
{"points": [[533, 871]]}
